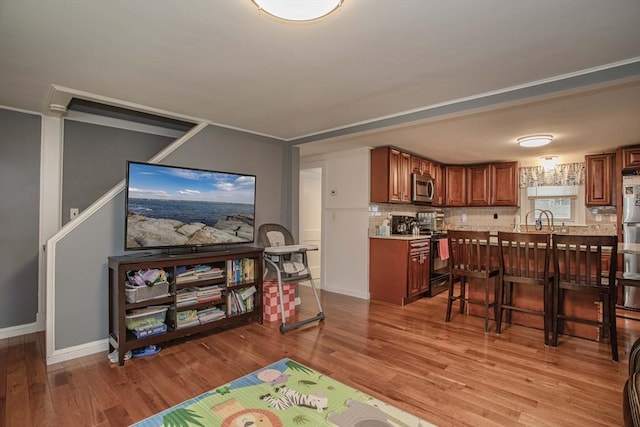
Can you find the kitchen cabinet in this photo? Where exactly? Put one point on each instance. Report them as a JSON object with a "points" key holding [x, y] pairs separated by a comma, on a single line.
{"points": [[438, 184], [390, 176], [455, 186], [420, 166], [493, 184], [418, 272], [505, 189], [398, 269], [478, 185], [631, 157], [599, 181]]}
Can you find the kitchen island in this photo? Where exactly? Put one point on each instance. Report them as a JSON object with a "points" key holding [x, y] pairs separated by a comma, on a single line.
{"points": [[389, 272]]}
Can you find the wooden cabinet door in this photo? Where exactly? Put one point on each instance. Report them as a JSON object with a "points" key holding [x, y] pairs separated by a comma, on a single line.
{"points": [[455, 192], [390, 176], [414, 277], [396, 186], [504, 184], [478, 185], [420, 166], [438, 184], [631, 157], [418, 274], [404, 177], [599, 180]]}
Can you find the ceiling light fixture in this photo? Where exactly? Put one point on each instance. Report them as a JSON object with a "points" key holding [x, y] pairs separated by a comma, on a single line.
{"points": [[298, 10], [549, 162], [534, 140]]}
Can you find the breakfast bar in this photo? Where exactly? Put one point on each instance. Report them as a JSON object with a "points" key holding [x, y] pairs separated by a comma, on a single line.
{"points": [[396, 277]]}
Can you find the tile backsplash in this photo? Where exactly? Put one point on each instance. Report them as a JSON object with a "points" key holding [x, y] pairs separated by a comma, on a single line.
{"points": [[490, 218]]}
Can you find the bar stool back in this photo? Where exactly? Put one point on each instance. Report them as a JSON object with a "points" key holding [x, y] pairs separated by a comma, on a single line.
{"points": [[524, 260], [578, 267], [469, 253]]}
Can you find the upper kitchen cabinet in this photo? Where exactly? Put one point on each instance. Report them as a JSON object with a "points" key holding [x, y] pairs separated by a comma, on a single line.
{"points": [[390, 176], [420, 166], [437, 173], [631, 157], [455, 185], [599, 181], [478, 185], [493, 185], [505, 190]]}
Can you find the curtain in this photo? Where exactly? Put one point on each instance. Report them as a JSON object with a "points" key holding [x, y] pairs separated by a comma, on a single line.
{"points": [[564, 174]]}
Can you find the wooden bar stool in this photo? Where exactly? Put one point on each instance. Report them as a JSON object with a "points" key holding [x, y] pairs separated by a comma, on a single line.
{"points": [[524, 260], [631, 280], [469, 259], [578, 266]]}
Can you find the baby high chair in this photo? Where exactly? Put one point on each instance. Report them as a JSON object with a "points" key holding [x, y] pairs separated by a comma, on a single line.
{"points": [[289, 263]]}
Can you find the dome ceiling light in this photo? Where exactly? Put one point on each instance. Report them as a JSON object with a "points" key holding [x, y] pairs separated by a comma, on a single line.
{"points": [[534, 140], [298, 10]]}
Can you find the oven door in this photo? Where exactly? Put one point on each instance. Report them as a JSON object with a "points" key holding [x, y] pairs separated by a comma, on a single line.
{"points": [[439, 268], [423, 188]]}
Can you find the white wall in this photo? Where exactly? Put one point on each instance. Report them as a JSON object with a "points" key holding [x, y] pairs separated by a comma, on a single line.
{"points": [[346, 218]]}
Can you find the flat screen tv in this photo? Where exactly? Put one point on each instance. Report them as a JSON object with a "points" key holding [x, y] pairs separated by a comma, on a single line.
{"points": [[178, 207]]}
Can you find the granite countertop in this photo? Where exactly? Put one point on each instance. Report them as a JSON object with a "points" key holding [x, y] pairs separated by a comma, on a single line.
{"points": [[623, 248], [400, 237]]}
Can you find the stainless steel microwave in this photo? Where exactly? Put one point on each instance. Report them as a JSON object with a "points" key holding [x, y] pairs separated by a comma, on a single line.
{"points": [[422, 188]]}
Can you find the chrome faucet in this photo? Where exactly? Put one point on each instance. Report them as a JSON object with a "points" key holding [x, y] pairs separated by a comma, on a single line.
{"points": [[547, 213]]}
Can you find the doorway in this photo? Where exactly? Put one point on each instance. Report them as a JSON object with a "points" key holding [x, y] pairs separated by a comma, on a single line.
{"points": [[311, 217]]}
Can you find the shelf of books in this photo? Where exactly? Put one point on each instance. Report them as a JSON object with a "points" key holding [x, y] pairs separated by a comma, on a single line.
{"points": [[159, 298]]}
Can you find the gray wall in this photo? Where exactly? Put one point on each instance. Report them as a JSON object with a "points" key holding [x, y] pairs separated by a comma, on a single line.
{"points": [[19, 217], [81, 291], [94, 160]]}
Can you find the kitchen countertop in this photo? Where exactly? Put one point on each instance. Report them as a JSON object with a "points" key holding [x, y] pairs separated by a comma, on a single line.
{"points": [[401, 237], [623, 248]]}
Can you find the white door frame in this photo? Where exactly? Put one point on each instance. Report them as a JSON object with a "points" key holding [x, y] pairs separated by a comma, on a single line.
{"points": [[322, 165]]}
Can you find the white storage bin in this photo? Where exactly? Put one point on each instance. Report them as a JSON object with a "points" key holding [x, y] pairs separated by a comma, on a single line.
{"points": [[146, 317]]}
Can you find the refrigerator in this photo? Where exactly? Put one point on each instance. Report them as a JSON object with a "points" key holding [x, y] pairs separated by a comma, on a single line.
{"points": [[631, 233]]}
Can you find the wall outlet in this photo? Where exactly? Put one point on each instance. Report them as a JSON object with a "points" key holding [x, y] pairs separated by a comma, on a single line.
{"points": [[73, 212]]}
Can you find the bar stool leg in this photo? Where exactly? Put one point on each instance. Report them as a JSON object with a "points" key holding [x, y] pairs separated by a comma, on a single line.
{"points": [[498, 306], [463, 288], [486, 305], [452, 282], [613, 335]]}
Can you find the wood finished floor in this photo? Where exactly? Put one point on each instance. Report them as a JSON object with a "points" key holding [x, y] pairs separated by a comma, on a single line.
{"points": [[449, 374]]}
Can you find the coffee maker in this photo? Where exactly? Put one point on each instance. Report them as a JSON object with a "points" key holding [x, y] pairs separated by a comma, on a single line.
{"points": [[402, 224]]}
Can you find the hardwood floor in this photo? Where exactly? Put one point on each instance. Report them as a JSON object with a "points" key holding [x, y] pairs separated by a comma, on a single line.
{"points": [[449, 374]]}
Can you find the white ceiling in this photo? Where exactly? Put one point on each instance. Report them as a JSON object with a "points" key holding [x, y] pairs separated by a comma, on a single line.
{"points": [[454, 80]]}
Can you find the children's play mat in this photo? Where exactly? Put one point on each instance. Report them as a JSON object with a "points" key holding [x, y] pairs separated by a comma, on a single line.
{"points": [[285, 393]]}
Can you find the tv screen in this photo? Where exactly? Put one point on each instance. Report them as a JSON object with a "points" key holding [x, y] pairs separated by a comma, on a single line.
{"points": [[179, 207]]}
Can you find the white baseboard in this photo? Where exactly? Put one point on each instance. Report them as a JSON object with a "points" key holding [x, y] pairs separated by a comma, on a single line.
{"points": [[15, 331], [69, 353], [348, 292]]}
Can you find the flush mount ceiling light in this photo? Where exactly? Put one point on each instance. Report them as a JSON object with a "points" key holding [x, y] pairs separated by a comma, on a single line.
{"points": [[298, 10], [534, 140]]}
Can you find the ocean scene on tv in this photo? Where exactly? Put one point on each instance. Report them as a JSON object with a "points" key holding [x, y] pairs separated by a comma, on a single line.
{"points": [[170, 206]]}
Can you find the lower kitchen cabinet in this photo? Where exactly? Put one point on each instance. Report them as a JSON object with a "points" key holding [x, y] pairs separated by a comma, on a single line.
{"points": [[398, 269]]}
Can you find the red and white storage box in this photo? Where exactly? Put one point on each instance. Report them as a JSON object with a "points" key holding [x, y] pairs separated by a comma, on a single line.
{"points": [[271, 301]]}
